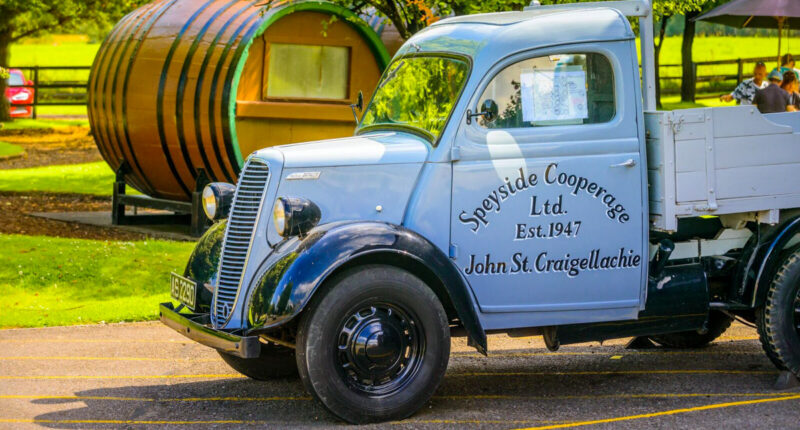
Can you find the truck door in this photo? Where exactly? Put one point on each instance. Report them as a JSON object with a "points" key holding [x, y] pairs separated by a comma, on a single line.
{"points": [[548, 219]]}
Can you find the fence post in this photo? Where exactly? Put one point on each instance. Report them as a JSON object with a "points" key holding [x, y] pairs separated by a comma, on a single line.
{"points": [[739, 71], [35, 90]]}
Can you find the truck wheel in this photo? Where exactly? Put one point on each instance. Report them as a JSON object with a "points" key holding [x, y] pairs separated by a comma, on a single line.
{"points": [[374, 345], [778, 321], [718, 322], [274, 362]]}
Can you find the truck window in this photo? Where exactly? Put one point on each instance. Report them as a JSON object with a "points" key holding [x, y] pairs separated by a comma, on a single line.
{"points": [[552, 90], [417, 92]]}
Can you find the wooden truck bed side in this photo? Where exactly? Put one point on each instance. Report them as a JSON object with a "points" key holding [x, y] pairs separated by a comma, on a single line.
{"points": [[715, 161]]}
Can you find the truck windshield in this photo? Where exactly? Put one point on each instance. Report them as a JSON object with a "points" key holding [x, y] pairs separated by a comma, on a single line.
{"points": [[417, 92]]}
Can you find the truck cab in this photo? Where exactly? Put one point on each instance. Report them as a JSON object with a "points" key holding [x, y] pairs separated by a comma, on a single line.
{"points": [[510, 174]]}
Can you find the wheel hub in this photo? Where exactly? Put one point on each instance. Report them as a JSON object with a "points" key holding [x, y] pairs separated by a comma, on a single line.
{"points": [[379, 349], [378, 345]]}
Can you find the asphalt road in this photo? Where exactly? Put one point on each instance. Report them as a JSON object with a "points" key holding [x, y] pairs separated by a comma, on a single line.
{"points": [[146, 376]]}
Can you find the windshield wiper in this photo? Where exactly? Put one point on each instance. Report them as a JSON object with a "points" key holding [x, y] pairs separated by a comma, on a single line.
{"points": [[392, 74]]}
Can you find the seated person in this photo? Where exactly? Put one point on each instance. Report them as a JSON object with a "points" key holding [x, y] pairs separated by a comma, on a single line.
{"points": [[746, 90], [787, 65], [791, 85], [773, 98]]}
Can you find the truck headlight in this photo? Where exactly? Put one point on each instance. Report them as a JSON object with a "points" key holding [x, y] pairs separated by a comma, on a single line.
{"points": [[294, 216], [217, 200]]}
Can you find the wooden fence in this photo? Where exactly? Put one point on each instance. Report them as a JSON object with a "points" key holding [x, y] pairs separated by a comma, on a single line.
{"points": [[55, 92], [720, 77], [714, 78]]}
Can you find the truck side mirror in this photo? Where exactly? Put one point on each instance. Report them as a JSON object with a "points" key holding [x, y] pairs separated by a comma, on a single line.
{"points": [[488, 110], [359, 104]]}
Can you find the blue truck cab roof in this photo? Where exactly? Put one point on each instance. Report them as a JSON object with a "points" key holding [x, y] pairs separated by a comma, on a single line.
{"points": [[487, 38]]}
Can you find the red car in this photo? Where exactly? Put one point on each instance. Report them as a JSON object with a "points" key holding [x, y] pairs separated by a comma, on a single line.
{"points": [[18, 96]]}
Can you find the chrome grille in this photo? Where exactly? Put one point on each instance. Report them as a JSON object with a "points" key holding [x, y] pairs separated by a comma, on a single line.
{"points": [[238, 236]]}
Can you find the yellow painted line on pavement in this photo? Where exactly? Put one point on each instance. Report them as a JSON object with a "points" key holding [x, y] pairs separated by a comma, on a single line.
{"points": [[623, 372], [603, 353], [57, 341], [443, 397], [477, 422], [607, 396], [169, 422], [145, 422], [669, 412], [736, 338], [456, 374], [192, 360], [151, 399], [198, 376]]}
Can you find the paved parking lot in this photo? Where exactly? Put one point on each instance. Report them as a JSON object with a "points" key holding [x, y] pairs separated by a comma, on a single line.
{"points": [[146, 376]]}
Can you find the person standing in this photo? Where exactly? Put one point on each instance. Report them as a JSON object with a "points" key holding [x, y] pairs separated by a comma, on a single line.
{"points": [[773, 98], [791, 85], [746, 90]]}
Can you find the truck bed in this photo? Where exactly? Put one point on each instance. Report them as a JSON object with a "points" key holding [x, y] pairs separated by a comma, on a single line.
{"points": [[715, 161]]}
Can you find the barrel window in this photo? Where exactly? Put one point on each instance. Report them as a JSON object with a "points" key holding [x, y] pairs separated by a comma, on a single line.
{"points": [[308, 72]]}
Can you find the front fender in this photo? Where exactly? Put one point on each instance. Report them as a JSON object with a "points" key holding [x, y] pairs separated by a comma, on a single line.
{"points": [[761, 261], [203, 265], [288, 279]]}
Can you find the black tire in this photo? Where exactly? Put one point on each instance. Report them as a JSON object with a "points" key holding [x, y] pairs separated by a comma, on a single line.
{"points": [[275, 362], [373, 345], [778, 321], [718, 322]]}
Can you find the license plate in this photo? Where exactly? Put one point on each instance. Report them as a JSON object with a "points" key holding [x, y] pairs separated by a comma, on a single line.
{"points": [[183, 290]]}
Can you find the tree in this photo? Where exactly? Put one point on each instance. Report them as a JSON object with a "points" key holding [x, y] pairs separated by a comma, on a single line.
{"points": [[663, 10], [27, 18], [688, 78], [410, 16]]}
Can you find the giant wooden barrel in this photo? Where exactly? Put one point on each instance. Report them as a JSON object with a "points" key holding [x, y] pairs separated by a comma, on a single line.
{"points": [[181, 87]]}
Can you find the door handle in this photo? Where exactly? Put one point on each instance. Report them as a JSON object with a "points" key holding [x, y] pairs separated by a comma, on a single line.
{"points": [[627, 163]]}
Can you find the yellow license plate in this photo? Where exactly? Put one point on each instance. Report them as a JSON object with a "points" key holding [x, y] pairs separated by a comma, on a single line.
{"points": [[183, 290]]}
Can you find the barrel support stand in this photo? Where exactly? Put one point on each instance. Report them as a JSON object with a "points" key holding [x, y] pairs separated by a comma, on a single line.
{"points": [[183, 212]]}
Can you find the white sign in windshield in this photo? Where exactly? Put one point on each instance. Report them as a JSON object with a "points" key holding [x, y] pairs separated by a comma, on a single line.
{"points": [[553, 94]]}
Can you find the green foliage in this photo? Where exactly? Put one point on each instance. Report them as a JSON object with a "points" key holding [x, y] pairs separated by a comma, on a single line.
{"points": [[4, 73], [410, 16], [89, 178], [50, 281], [417, 92], [26, 18]]}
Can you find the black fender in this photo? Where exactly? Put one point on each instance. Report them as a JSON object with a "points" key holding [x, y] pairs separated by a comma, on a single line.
{"points": [[760, 259], [203, 265], [287, 280]]}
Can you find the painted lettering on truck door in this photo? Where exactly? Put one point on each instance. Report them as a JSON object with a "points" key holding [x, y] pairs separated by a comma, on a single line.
{"points": [[548, 217]]}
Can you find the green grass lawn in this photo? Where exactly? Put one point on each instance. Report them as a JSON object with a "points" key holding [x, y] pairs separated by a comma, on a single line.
{"points": [[9, 150], [19, 124], [44, 111], [55, 53], [50, 281], [89, 178]]}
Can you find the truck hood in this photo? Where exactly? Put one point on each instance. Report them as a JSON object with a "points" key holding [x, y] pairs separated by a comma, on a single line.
{"points": [[369, 149]]}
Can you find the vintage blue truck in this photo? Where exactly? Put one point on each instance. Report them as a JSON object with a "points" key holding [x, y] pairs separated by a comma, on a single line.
{"points": [[509, 175]]}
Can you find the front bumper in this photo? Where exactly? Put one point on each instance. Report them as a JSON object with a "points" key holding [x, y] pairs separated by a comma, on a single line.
{"points": [[198, 328]]}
